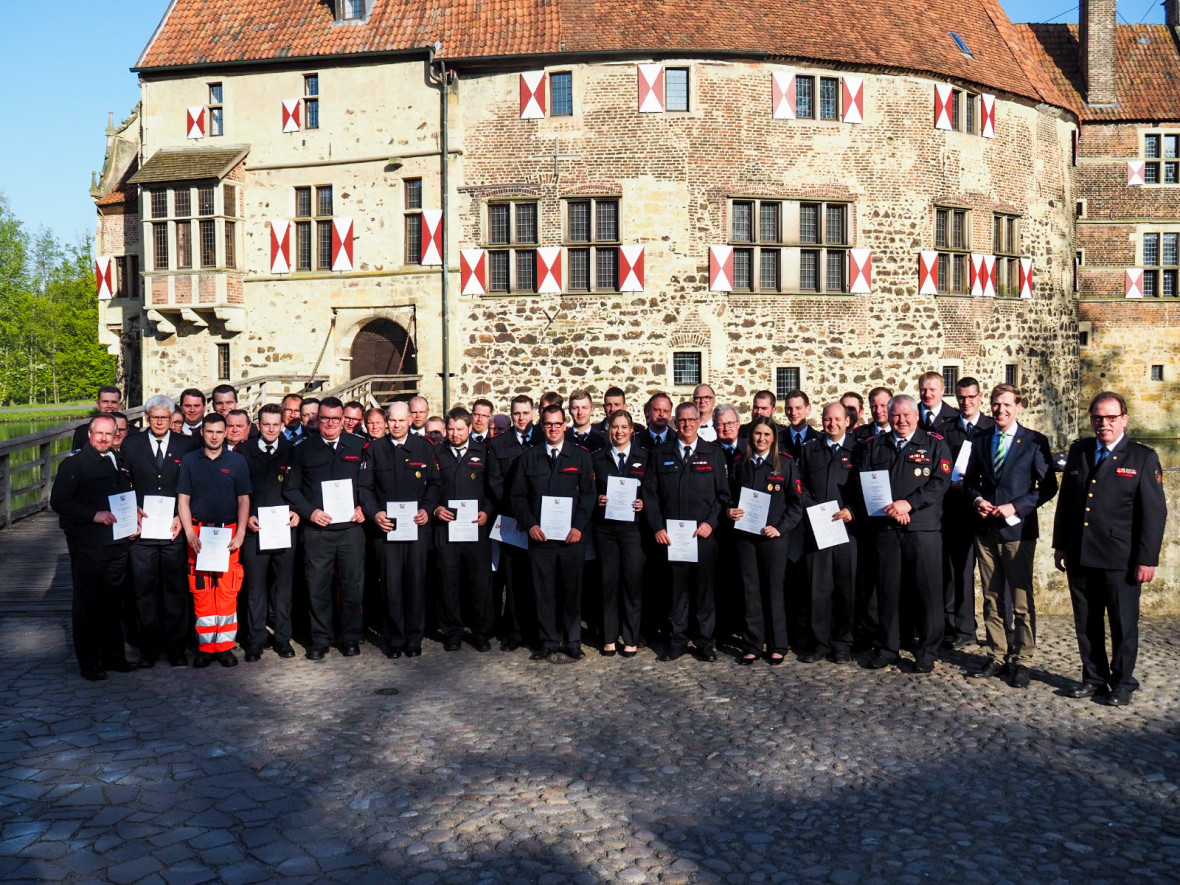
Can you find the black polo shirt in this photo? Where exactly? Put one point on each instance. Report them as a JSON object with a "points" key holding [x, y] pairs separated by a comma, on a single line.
{"points": [[214, 485]]}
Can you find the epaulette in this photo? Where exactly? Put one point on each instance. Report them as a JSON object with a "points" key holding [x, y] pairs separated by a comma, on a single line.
{"points": [[935, 435], [303, 437], [72, 453]]}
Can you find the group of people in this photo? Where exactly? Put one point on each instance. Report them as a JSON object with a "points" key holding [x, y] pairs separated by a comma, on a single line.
{"points": [[690, 530]]}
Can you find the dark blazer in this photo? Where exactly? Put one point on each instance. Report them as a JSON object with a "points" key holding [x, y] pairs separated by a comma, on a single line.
{"points": [[312, 462], [606, 465], [943, 413], [830, 477], [1027, 480], [464, 479], [84, 482], [866, 432], [535, 478], [503, 451], [268, 473], [739, 449], [139, 456], [591, 441], [919, 474], [784, 487], [408, 472], [698, 490], [644, 438], [952, 430], [1122, 525], [787, 444]]}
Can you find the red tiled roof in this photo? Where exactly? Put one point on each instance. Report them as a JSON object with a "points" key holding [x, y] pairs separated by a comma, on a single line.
{"points": [[901, 34], [124, 191], [1147, 73]]}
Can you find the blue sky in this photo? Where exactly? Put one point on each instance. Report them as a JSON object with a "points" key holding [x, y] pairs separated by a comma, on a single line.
{"points": [[67, 70]]}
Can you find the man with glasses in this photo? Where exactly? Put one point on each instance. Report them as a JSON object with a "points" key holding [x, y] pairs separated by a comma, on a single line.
{"points": [[1106, 538]]}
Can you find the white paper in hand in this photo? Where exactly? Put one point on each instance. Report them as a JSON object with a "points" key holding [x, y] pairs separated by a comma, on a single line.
{"points": [[214, 555]]}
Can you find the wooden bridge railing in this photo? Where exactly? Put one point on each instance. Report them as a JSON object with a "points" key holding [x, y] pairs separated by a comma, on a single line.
{"points": [[376, 390]]}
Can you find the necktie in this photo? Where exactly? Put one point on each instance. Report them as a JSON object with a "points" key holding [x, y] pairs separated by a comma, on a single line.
{"points": [[835, 448], [1103, 451], [1001, 451], [478, 437], [159, 454], [970, 427], [459, 454], [728, 449], [757, 461], [929, 418], [622, 461], [798, 437], [270, 450], [552, 458], [687, 453], [900, 444]]}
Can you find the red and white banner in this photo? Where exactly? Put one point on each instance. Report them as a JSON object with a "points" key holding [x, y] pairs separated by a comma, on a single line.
{"points": [[1136, 172], [721, 268], [104, 277], [195, 122], [1026, 277], [631, 268], [341, 244], [782, 95], [854, 99], [280, 247], [549, 270], [432, 238], [860, 271], [1133, 284], [473, 271], [928, 272], [651, 88], [291, 112], [987, 115], [943, 115], [532, 95]]}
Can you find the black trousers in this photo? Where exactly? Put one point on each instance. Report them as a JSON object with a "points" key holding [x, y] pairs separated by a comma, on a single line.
{"points": [[339, 554], [864, 607], [269, 578], [762, 562], [465, 570], [403, 570], [832, 573], [557, 592], [97, 574], [728, 594], [797, 590], [692, 587], [909, 564], [620, 559], [958, 552], [518, 621], [160, 572], [1098, 595]]}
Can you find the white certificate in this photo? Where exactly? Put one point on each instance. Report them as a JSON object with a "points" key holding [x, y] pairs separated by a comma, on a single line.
{"points": [[339, 502], [827, 531], [621, 492], [757, 507], [557, 513], [1014, 519], [126, 515], [961, 462], [159, 512], [506, 530], [682, 534], [402, 513], [214, 555], [464, 527], [878, 495], [274, 528]]}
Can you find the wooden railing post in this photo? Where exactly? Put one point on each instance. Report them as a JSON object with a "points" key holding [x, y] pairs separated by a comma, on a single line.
{"points": [[7, 503], [46, 450]]}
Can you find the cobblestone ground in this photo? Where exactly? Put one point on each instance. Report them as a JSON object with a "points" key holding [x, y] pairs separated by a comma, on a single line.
{"points": [[490, 768]]}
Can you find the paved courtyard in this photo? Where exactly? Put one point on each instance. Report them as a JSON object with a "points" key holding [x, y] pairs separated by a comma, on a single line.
{"points": [[463, 767]]}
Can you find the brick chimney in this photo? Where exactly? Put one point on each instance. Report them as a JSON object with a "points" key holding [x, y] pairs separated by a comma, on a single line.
{"points": [[1097, 50], [1172, 14]]}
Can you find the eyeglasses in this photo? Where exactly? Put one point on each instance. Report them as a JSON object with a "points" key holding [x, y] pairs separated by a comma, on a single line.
{"points": [[687, 420], [325, 419], [553, 424], [1106, 419]]}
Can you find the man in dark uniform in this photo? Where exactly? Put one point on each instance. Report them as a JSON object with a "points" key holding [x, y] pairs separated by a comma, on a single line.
{"points": [[581, 431], [827, 470], [81, 498], [958, 519], [1107, 538], [465, 566], [517, 620], [727, 591], [192, 406], [481, 420], [908, 534], [159, 568], [879, 398], [108, 401], [400, 469], [354, 419], [292, 422], [687, 480], [613, 400], [798, 432], [330, 541], [544, 474], [764, 405], [864, 622], [657, 412], [933, 411], [727, 424], [794, 439], [269, 573]]}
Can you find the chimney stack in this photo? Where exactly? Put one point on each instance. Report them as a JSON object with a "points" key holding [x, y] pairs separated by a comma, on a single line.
{"points": [[1097, 48], [1172, 14]]}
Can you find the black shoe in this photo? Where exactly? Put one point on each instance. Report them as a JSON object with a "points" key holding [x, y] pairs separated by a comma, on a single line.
{"points": [[672, 654], [923, 666], [178, 660], [392, 652], [881, 660], [315, 653], [573, 652], [539, 655], [608, 652], [350, 649], [94, 674], [480, 642], [453, 643], [1119, 696], [122, 667], [706, 655], [413, 652], [747, 660], [628, 654], [253, 655], [1020, 676], [810, 658], [284, 650], [988, 670], [227, 659], [203, 660], [954, 643], [776, 662], [840, 657], [1085, 690], [509, 645]]}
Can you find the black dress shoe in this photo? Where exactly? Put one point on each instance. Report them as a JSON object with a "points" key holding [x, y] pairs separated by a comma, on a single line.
{"points": [[284, 650], [227, 659], [810, 658], [178, 660], [413, 652], [453, 643], [315, 653], [573, 652], [350, 649], [480, 642], [393, 653], [881, 660], [539, 655], [253, 655], [954, 643], [202, 660], [707, 655], [923, 666], [1119, 696], [628, 654], [608, 652], [747, 660], [988, 670], [840, 657], [509, 645], [1085, 690], [672, 654], [94, 674], [1020, 676]]}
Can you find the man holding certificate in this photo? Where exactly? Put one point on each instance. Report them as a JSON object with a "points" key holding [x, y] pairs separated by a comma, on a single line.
{"points": [[322, 488], [213, 497], [688, 491], [552, 498], [399, 489], [904, 476], [269, 562], [89, 483]]}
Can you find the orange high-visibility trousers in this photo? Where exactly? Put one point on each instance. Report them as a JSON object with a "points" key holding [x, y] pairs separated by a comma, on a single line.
{"points": [[215, 602]]}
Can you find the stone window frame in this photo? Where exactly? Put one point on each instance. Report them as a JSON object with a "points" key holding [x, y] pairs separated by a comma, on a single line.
{"points": [[752, 274], [951, 371], [215, 108], [601, 251], [221, 360], [1012, 374], [1159, 251], [809, 107], [1161, 152], [678, 363], [412, 219], [311, 100], [1006, 230], [1156, 373], [954, 250], [686, 70], [784, 381], [313, 227], [555, 92], [964, 111], [1085, 333], [195, 215], [517, 256]]}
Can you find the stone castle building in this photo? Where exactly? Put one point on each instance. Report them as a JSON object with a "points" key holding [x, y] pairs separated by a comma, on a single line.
{"points": [[513, 195]]}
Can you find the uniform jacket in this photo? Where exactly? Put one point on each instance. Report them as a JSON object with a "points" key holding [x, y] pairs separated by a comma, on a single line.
{"points": [[644, 437], [591, 441], [786, 437], [785, 488], [268, 473], [464, 479], [1112, 516], [502, 454], [1027, 480], [919, 474], [139, 456], [698, 490], [606, 465], [830, 477], [957, 506], [312, 462], [85, 481], [535, 477], [941, 414], [865, 432], [739, 449], [408, 472]]}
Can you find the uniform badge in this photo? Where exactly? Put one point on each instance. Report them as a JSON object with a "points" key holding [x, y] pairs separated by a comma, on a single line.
{"points": [[925, 471], [474, 476], [1126, 471], [1159, 477], [770, 487], [777, 487], [281, 477], [917, 471], [944, 466], [417, 474]]}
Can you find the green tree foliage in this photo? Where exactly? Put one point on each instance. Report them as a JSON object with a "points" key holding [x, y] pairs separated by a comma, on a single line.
{"points": [[49, 350]]}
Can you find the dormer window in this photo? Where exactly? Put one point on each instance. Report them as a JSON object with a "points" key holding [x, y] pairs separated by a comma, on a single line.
{"points": [[352, 10]]}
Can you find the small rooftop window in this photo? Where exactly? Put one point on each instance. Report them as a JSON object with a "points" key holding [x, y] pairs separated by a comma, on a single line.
{"points": [[351, 10], [961, 43]]}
